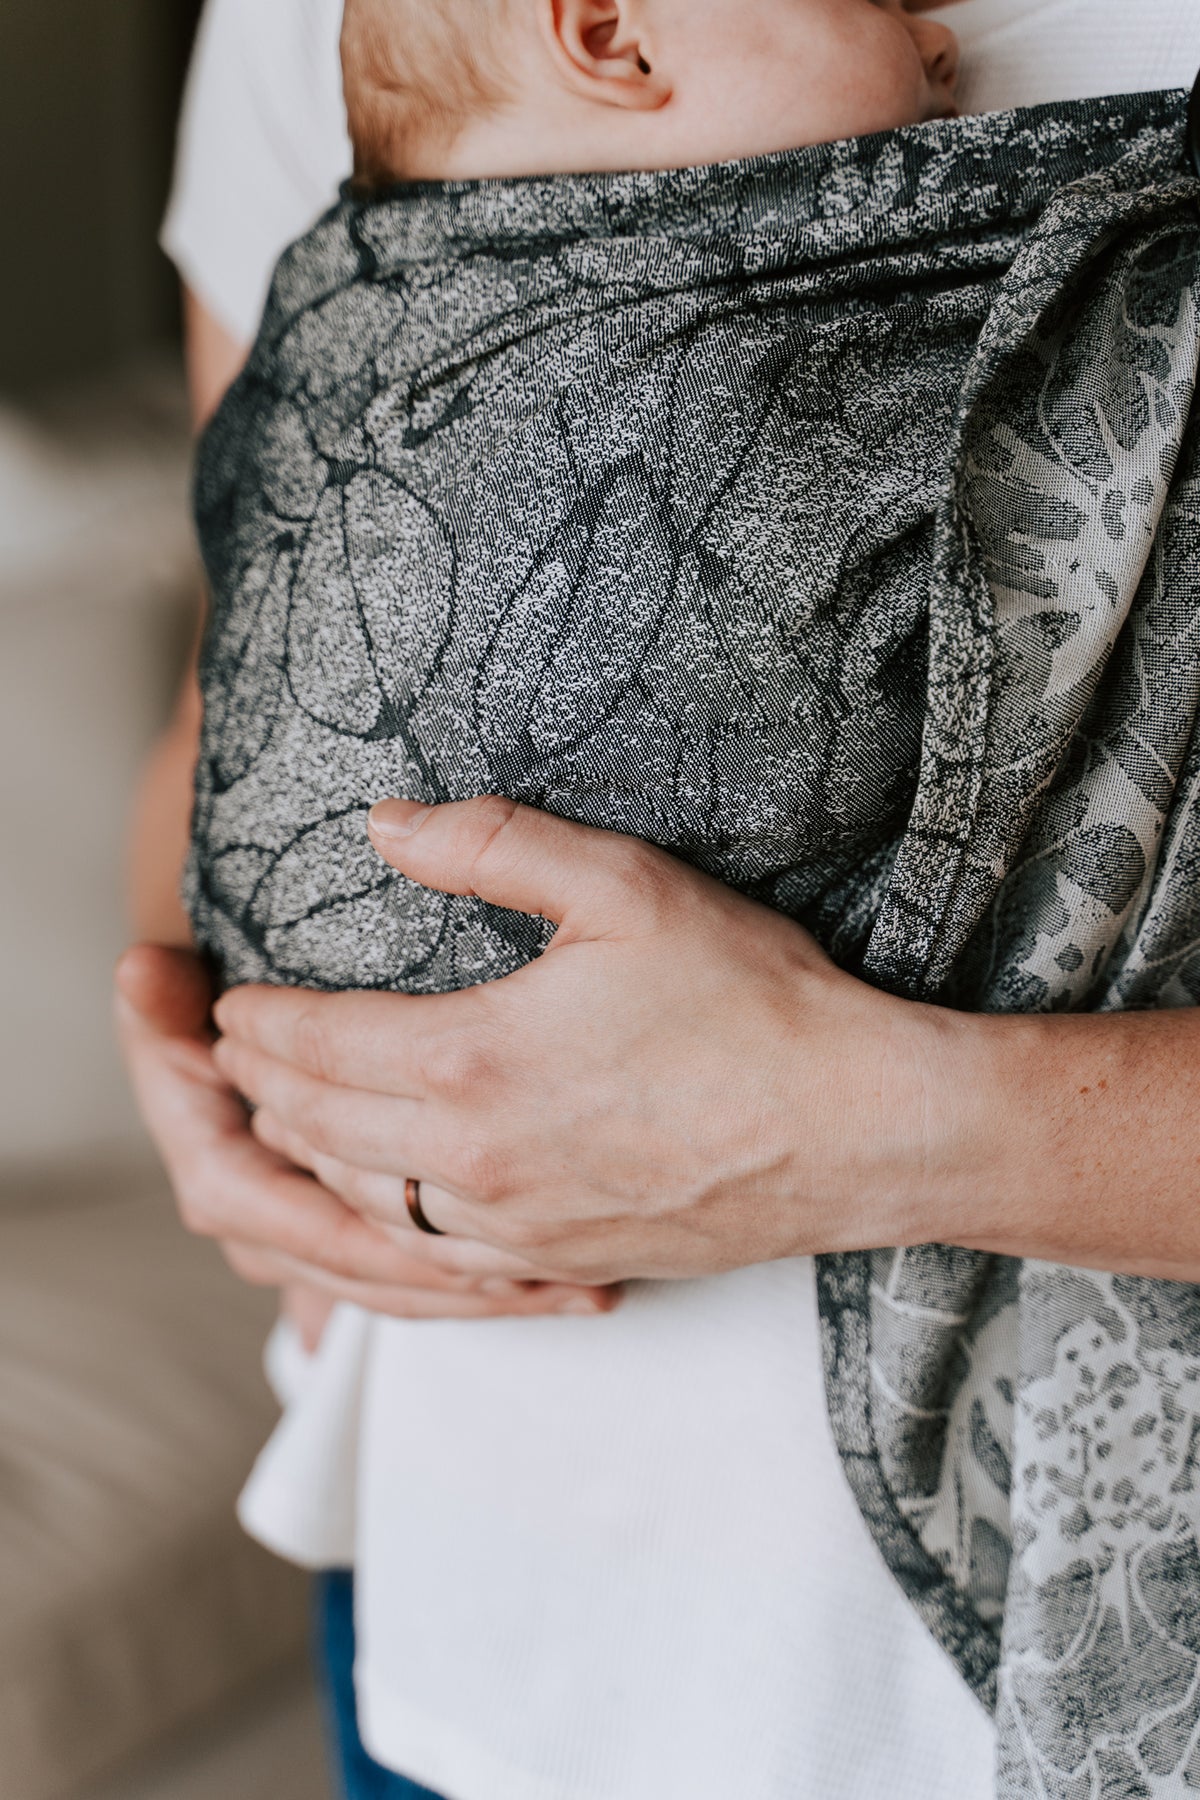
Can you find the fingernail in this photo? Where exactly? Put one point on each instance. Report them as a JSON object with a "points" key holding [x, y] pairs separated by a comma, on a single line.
{"points": [[581, 1309], [397, 818], [126, 969]]}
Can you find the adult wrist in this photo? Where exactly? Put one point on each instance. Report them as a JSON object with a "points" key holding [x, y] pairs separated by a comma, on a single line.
{"points": [[971, 1133], [1065, 1144], [991, 1133], [959, 1165], [917, 1101]]}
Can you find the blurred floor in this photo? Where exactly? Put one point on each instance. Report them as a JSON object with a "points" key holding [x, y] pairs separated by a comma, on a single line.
{"points": [[269, 1749], [132, 1405]]}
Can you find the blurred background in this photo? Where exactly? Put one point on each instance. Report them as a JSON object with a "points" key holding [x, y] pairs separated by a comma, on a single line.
{"points": [[147, 1650]]}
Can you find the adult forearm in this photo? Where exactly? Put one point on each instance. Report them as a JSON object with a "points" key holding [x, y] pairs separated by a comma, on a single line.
{"points": [[1074, 1139], [163, 805], [159, 829]]}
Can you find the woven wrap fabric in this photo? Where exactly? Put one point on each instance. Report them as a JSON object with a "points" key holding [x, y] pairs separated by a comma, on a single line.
{"points": [[833, 520]]}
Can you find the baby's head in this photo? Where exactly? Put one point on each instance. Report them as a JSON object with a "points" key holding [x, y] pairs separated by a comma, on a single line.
{"points": [[477, 88]]}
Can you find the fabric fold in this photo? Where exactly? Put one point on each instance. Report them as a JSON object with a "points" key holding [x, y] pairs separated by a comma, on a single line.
{"points": [[832, 520]]}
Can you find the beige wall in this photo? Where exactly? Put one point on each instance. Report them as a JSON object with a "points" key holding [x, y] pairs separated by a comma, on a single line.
{"points": [[97, 597]]}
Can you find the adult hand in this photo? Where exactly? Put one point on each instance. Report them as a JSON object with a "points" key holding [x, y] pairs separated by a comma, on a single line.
{"points": [[683, 1083], [277, 1225]]}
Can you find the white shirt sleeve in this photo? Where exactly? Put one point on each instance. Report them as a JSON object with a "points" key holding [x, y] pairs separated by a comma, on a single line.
{"points": [[262, 148], [1024, 52]]}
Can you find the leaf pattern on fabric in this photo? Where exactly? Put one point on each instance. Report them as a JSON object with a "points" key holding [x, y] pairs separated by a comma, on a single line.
{"points": [[832, 520]]}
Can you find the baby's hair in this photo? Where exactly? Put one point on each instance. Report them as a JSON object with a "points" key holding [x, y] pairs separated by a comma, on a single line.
{"points": [[415, 72]]}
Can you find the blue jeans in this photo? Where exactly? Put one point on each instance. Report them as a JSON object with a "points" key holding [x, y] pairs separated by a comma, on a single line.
{"points": [[359, 1776]]}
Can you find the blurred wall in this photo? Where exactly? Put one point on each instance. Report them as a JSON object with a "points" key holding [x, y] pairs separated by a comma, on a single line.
{"points": [[98, 584], [96, 602], [89, 94]]}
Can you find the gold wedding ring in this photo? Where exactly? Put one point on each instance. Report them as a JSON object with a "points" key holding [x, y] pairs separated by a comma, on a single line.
{"points": [[416, 1212]]}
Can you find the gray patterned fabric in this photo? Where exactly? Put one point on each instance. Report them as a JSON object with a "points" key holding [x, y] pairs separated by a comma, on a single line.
{"points": [[833, 520]]}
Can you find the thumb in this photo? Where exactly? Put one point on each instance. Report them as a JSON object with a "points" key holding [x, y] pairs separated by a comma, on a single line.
{"points": [[592, 881], [165, 991]]}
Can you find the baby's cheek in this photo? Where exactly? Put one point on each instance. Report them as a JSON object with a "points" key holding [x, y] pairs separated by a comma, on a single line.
{"points": [[889, 82], [821, 71]]}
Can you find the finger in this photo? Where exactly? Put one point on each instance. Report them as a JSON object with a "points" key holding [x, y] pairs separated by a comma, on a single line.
{"points": [[480, 1262], [372, 1131], [229, 1187], [388, 1043], [186, 1102], [490, 1300], [383, 1198], [237, 1190], [258, 1267], [514, 856], [164, 991]]}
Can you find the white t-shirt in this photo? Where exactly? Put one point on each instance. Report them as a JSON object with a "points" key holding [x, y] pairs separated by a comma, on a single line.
{"points": [[600, 1559]]}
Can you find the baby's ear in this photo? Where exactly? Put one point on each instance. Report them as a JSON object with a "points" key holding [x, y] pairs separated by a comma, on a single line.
{"points": [[604, 51]]}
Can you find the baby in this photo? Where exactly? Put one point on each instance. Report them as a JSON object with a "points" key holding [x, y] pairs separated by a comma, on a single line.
{"points": [[478, 88], [577, 464]]}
